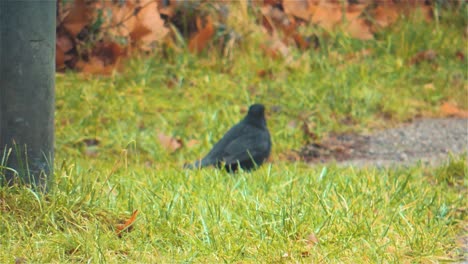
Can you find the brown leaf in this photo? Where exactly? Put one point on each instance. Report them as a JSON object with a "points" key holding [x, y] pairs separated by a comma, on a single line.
{"points": [[460, 55], [169, 143], [200, 39], [90, 142], [277, 49], [95, 66], [297, 8], [385, 14], [148, 18], [127, 225], [359, 29], [191, 143], [327, 15], [449, 109], [265, 73], [139, 31], [78, 17], [312, 239], [308, 128], [108, 52], [21, 260], [59, 58], [64, 43], [426, 55], [138, 20]]}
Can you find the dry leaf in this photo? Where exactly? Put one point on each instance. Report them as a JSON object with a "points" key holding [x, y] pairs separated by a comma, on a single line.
{"points": [[358, 28], [148, 18], [452, 110], [78, 17], [191, 143], [460, 55], [169, 143], [327, 15], [426, 55], [199, 41], [385, 14], [127, 225], [108, 52], [308, 128], [312, 239], [95, 66], [297, 8]]}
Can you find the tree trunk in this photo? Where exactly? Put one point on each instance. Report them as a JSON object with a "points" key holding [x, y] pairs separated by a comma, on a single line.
{"points": [[27, 82]]}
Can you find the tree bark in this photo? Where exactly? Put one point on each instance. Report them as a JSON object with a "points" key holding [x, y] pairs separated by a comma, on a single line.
{"points": [[27, 83]]}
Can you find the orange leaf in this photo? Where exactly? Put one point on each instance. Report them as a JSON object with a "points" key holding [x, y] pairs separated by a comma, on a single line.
{"points": [[312, 239], [191, 143], [127, 224], [199, 41], [297, 8], [108, 52], [386, 14], [169, 143], [59, 58], [148, 18], [426, 55], [359, 29], [327, 15], [64, 43], [139, 31], [95, 66], [78, 18], [449, 109]]}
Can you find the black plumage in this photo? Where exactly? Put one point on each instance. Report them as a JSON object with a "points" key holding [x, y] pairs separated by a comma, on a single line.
{"points": [[247, 144]]}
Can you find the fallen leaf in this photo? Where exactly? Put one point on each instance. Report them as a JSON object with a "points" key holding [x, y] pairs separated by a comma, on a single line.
{"points": [[292, 124], [426, 55], [90, 141], [277, 49], [21, 260], [79, 16], [327, 15], [460, 55], [200, 39], [149, 18], [59, 58], [359, 29], [64, 43], [297, 8], [312, 239], [169, 143], [95, 66], [308, 129], [265, 73], [429, 86], [449, 109], [385, 14], [191, 143], [127, 225], [108, 52]]}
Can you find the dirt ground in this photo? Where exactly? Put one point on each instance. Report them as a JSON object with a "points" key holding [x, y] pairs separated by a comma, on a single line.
{"points": [[426, 140]]}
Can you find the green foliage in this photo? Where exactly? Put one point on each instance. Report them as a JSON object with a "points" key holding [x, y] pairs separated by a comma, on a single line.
{"points": [[358, 215]]}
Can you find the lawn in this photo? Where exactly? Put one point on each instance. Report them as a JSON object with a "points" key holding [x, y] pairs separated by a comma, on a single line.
{"points": [[110, 160]]}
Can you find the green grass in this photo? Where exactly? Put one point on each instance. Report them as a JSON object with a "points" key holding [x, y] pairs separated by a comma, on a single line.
{"points": [[398, 215]]}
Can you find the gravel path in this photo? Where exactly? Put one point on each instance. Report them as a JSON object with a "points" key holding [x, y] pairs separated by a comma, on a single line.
{"points": [[426, 140]]}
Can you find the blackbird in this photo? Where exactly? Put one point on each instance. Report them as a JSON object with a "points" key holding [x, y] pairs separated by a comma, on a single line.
{"points": [[247, 144]]}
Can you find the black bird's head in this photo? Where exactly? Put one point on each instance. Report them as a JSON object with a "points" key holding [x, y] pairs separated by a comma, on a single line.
{"points": [[256, 115]]}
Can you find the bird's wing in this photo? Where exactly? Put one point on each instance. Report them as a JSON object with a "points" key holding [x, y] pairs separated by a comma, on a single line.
{"points": [[216, 153], [256, 144]]}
